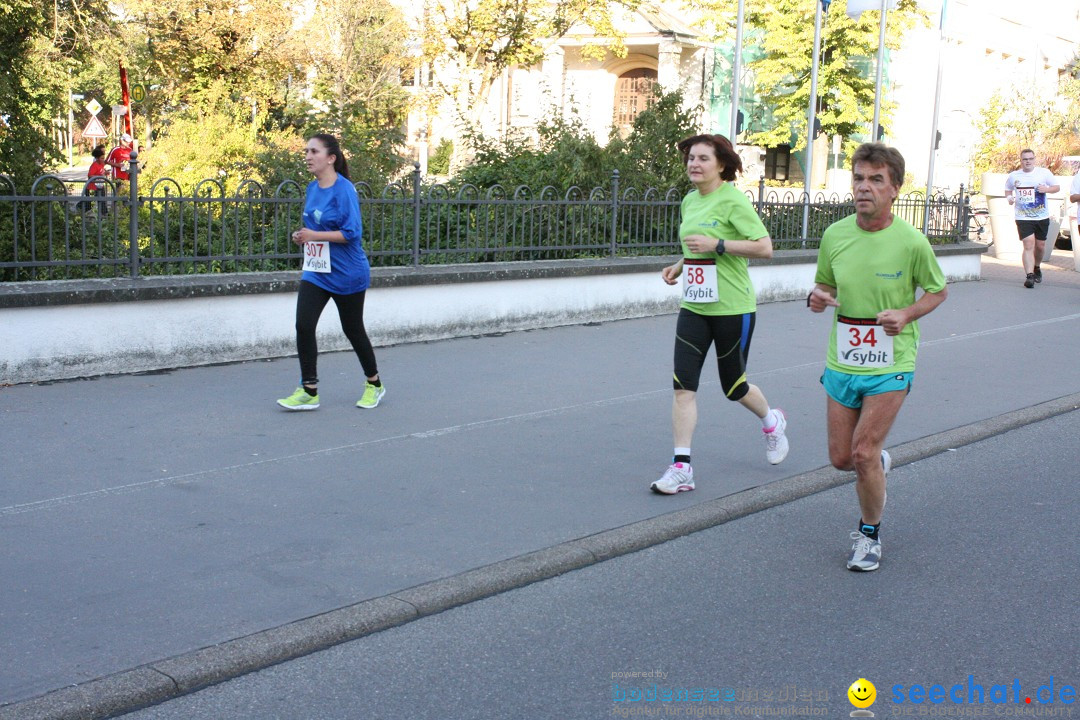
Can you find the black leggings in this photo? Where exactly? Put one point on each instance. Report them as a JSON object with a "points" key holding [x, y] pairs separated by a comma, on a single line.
{"points": [[730, 333], [310, 302]]}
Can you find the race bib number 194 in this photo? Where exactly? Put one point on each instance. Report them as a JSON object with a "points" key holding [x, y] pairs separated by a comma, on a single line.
{"points": [[699, 281], [862, 343], [317, 256]]}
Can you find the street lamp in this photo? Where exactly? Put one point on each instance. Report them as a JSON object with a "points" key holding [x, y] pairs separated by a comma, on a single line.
{"points": [[820, 8]]}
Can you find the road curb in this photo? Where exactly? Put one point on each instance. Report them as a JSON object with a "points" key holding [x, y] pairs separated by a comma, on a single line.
{"points": [[163, 680]]}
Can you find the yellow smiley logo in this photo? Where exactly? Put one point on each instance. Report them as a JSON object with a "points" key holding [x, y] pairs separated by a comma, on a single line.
{"points": [[862, 693]]}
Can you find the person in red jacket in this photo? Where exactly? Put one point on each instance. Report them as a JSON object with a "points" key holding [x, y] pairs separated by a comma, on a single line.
{"points": [[120, 157], [98, 169]]}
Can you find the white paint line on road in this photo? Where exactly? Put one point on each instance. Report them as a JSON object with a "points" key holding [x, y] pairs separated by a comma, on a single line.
{"points": [[193, 476], [1009, 328]]}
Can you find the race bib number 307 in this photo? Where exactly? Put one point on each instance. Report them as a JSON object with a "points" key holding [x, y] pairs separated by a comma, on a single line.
{"points": [[699, 281], [317, 256], [862, 343]]}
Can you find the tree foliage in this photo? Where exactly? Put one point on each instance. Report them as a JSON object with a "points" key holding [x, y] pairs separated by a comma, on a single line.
{"points": [[1027, 117], [214, 141], [358, 78], [783, 30], [41, 43], [565, 153], [272, 66], [186, 50], [359, 67], [476, 40]]}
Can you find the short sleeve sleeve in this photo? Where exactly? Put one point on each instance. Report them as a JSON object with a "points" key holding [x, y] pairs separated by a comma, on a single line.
{"points": [[927, 270], [824, 273], [745, 219]]}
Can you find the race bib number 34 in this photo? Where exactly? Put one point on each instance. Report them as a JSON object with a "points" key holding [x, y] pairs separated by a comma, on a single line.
{"points": [[699, 281], [862, 343], [317, 256]]}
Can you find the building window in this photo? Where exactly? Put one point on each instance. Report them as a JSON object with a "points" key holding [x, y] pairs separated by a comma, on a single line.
{"points": [[777, 160], [421, 73], [633, 93]]}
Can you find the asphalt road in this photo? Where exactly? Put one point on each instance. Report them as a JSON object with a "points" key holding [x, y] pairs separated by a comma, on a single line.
{"points": [[977, 578], [152, 518]]}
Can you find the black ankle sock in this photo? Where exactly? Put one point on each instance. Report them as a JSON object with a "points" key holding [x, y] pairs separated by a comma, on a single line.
{"points": [[376, 382], [681, 458], [870, 531], [311, 391]]}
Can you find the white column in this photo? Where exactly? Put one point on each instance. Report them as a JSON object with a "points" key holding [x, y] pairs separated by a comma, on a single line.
{"points": [[668, 65], [553, 69]]}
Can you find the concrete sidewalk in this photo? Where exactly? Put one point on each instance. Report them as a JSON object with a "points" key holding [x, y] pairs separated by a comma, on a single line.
{"points": [[1059, 269], [168, 531]]}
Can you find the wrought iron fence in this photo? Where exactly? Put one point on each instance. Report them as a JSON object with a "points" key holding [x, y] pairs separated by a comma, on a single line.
{"points": [[64, 230]]}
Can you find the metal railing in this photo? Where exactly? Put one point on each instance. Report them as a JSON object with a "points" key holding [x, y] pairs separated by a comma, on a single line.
{"points": [[60, 230]]}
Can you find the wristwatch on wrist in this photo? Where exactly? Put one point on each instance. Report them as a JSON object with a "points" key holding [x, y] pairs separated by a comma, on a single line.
{"points": [[720, 246]]}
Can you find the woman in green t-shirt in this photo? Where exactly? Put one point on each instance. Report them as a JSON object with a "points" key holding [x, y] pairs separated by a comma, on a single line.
{"points": [[719, 231]]}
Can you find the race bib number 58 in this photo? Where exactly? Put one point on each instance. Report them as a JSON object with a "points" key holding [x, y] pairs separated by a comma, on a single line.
{"points": [[699, 281], [317, 256], [862, 343]]}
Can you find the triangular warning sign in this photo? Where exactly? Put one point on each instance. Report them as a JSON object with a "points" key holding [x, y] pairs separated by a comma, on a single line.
{"points": [[94, 129]]}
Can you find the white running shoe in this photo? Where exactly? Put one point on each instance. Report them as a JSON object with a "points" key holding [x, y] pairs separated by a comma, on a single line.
{"points": [[865, 553], [679, 477], [776, 443]]}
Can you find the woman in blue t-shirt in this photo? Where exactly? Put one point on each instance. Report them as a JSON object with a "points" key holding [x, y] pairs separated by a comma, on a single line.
{"points": [[335, 266]]}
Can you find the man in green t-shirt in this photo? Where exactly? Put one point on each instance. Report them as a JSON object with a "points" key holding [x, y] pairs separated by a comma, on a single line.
{"points": [[869, 266]]}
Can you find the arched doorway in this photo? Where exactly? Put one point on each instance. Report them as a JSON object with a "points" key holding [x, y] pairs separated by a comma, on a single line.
{"points": [[633, 93]]}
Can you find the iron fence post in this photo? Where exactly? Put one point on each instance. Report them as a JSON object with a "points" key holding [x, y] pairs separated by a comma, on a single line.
{"points": [[614, 211], [760, 194], [416, 214], [133, 214]]}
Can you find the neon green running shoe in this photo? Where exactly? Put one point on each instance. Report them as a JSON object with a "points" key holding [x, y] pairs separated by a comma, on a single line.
{"points": [[372, 396], [300, 400]]}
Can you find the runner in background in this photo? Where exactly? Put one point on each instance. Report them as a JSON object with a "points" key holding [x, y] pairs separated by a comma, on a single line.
{"points": [[1026, 190], [719, 231], [1074, 206]]}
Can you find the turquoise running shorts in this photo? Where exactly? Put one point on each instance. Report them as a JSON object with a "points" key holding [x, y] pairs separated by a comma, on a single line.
{"points": [[849, 390]]}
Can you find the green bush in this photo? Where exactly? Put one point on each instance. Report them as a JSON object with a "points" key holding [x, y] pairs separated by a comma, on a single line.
{"points": [[565, 154], [648, 156], [215, 145], [439, 162]]}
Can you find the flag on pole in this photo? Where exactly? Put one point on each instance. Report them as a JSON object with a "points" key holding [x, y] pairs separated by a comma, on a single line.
{"points": [[855, 8], [125, 94]]}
